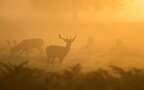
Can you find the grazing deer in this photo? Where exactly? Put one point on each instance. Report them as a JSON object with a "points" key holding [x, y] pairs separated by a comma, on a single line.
{"points": [[25, 45], [59, 52]]}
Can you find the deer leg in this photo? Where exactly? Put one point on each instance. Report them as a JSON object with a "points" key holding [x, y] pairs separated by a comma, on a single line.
{"points": [[52, 60], [40, 50], [49, 59]]}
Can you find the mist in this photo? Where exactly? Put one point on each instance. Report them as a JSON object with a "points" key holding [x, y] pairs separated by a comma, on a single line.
{"points": [[46, 19]]}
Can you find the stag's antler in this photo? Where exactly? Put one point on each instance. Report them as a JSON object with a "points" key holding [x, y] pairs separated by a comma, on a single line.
{"points": [[66, 39], [60, 36]]}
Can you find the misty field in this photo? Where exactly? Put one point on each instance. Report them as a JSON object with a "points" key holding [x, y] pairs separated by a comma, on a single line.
{"points": [[22, 76], [27, 66]]}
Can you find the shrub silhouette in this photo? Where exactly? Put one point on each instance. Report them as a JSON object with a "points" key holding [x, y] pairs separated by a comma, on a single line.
{"points": [[22, 77]]}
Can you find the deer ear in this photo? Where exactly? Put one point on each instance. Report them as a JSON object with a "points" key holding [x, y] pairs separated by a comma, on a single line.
{"points": [[9, 43]]}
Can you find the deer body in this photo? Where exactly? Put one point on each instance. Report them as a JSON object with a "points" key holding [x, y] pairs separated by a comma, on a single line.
{"points": [[60, 52], [26, 45]]}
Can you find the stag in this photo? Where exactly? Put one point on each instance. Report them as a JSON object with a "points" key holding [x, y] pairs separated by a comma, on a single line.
{"points": [[59, 52], [25, 45]]}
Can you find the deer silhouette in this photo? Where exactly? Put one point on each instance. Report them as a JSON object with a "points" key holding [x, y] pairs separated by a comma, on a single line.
{"points": [[59, 52], [25, 45]]}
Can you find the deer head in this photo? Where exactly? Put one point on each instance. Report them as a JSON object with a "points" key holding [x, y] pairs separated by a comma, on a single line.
{"points": [[11, 44], [68, 41]]}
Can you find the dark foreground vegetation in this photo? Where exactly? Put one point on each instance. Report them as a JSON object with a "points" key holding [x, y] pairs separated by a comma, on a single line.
{"points": [[22, 77]]}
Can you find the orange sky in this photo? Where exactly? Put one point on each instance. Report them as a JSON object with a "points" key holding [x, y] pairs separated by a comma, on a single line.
{"points": [[19, 17], [16, 9]]}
